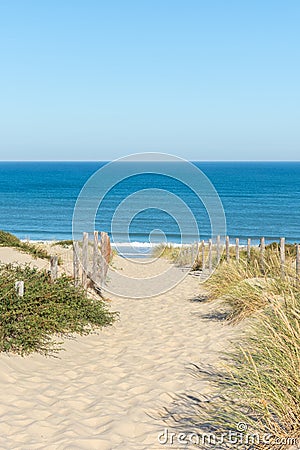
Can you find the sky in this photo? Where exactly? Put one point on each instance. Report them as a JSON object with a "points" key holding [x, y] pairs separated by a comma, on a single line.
{"points": [[97, 80]]}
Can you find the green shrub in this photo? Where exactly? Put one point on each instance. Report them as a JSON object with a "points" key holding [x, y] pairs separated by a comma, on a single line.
{"points": [[8, 239], [28, 323]]}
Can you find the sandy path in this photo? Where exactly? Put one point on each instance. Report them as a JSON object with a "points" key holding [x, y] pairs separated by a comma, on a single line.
{"points": [[102, 390]]}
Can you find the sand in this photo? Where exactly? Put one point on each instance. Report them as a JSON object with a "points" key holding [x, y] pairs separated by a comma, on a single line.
{"points": [[13, 256], [105, 391]]}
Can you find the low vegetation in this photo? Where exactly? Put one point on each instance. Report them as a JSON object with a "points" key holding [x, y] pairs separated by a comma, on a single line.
{"points": [[167, 251], [65, 243], [247, 287], [47, 312], [267, 372], [180, 255], [9, 240], [256, 393], [260, 386]]}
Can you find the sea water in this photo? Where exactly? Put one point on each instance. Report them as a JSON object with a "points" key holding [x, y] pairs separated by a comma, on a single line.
{"points": [[37, 200]]}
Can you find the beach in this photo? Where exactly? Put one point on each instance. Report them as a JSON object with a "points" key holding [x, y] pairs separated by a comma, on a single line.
{"points": [[108, 390], [149, 225]]}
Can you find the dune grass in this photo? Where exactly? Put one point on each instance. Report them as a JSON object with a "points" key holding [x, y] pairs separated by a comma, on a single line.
{"points": [[267, 370], [260, 384], [9, 240], [182, 256], [64, 243], [247, 287], [167, 251], [47, 310]]}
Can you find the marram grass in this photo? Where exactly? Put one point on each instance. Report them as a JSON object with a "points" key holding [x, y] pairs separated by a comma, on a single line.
{"points": [[167, 251], [248, 286], [259, 386], [180, 256]]}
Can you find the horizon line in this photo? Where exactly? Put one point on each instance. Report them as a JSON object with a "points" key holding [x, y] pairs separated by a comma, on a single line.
{"points": [[118, 159]]}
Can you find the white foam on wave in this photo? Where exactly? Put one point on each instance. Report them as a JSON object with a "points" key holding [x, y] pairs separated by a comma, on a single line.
{"points": [[134, 244], [143, 244]]}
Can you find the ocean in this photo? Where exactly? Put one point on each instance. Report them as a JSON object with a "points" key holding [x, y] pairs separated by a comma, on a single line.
{"points": [[37, 200]]}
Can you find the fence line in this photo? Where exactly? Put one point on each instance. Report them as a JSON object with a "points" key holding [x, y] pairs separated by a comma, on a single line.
{"points": [[95, 276], [102, 253], [227, 249], [248, 249], [215, 252], [203, 255], [95, 256], [210, 255], [76, 263], [85, 259]]}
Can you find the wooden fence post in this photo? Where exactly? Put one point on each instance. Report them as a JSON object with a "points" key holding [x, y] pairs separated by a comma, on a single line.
{"points": [[95, 257], [210, 255], [218, 249], [237, 250], [85, 259], [262, 254], [196, 258], [249, 249], [227, 249], [76, 263], [19, 287], [203, 255], [187, 256], [298, 263], [53, 267], [282, 257], [106, 253], [194, 254]]}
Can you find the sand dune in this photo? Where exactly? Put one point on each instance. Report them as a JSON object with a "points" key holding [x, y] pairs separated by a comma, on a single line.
{"points": [[10, 255], [105, 390]]}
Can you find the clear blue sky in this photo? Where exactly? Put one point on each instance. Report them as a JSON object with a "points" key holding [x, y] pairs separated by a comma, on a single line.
{"points": [[206, 80]]}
